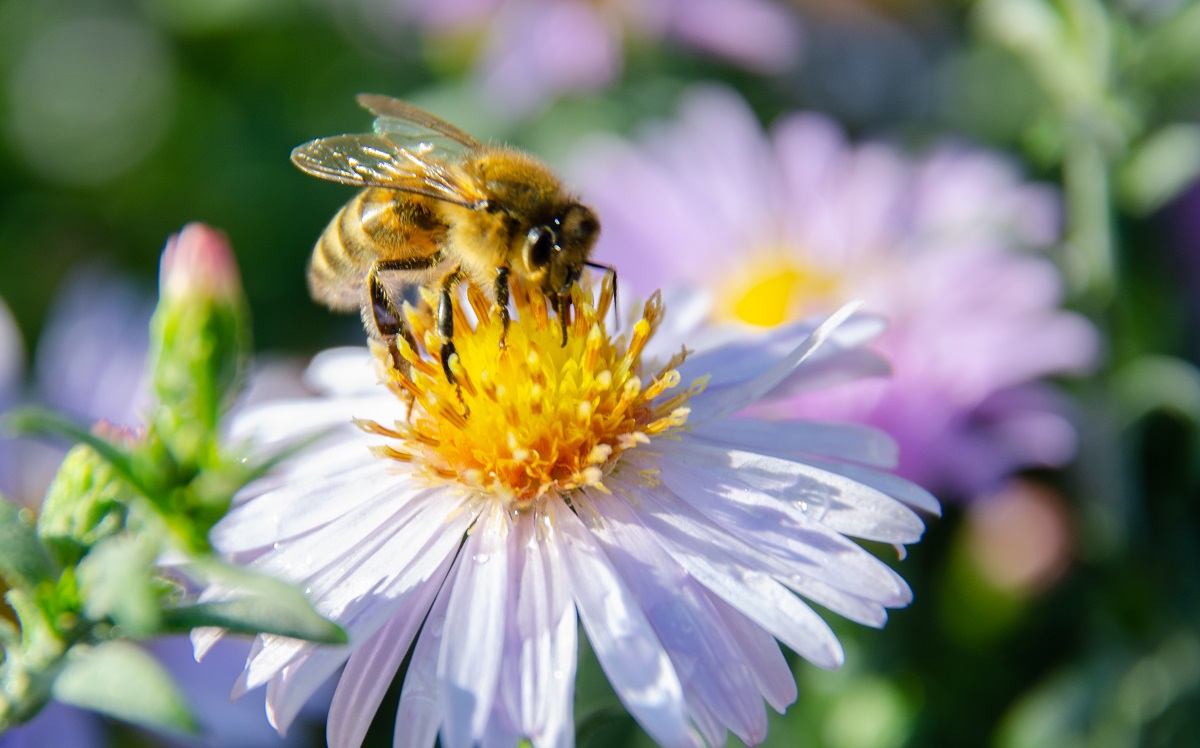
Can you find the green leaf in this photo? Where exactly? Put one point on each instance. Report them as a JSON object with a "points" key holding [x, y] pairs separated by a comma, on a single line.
{"points": [[115, 583], [122, 681], [255, 615], [1161, 167], [260, 604], [24, 562]]}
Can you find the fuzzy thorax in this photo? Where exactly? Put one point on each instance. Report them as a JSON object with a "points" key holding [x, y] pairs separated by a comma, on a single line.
{"points": [[534, 417]]}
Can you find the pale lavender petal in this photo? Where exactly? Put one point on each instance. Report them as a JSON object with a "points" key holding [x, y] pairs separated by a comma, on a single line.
{"points": [[473, 635], [286, 421], [538, 673], [630, 653], [576, 49], [411, 554], [419, 714], [712, 670], [806, 497], [767, 602], [796, 439], [343, 371], [370, 670], [734, 398], [772, 675]]}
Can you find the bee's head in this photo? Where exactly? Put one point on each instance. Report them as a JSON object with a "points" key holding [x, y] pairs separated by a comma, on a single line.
{"points": [[555, 251]]}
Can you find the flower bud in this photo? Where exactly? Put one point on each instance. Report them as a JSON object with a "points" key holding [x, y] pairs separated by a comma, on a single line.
{"points": [[198, 262], [86, 502], [199, 340]]}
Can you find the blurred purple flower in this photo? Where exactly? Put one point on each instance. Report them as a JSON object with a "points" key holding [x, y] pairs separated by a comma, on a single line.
{"points": [[797, 222], [58, 725], [535, 50]]}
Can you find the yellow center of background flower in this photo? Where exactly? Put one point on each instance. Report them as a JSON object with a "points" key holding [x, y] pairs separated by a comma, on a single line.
{"points": [[777, 289], [535, 416]]}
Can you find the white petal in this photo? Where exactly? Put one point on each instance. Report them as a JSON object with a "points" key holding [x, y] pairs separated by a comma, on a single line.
{"points": [[288, 692], [537, 681], [714, 673], [807, 494], [284, 421], [361, 592], [776, 527], [419, 714], [748, 588], [373, 665], [343, 371], [772, 675], [830, 367], [203, 640], [412, 554], [630, 653], [302, 507], [731, 356], [498, 733], [793, 439], [473, 637], [714, 403], [340, 543], [893, 485]]}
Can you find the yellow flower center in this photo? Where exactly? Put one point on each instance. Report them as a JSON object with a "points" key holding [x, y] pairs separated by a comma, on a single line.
{"points": [[776, 289], [533, 417]]}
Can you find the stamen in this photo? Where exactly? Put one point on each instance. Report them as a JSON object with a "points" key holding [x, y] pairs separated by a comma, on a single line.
{"points": [[542, 417]]}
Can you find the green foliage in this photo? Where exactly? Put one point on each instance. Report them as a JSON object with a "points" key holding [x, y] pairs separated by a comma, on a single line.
{"points": [[123, 681], [86, 577]]}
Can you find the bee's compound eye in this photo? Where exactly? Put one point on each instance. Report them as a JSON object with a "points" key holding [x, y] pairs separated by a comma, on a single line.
{"points": [[539, 245]]}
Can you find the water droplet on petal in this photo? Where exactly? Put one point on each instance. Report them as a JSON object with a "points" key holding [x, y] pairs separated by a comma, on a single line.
{"points": [[812, 503]]}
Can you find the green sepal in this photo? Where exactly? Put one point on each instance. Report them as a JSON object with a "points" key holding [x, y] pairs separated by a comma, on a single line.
{"points": [[116, 584], [86, 502], [121, 680], [24, 561]]}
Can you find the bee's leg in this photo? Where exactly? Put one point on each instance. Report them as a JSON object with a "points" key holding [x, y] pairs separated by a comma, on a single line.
{"points": [[384, 313], [501, 294], [562, 305], [387, 321], [446, 319]]}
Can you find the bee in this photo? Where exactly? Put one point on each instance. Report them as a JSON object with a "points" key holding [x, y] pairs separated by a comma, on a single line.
{"points": [[438, 206]]}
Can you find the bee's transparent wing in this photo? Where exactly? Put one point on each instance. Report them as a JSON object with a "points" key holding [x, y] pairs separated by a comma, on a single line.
{"points": [[375, 160], [404, 122]]}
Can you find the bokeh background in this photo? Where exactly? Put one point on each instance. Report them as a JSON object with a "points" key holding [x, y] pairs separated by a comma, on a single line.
{"points": [[1057, 599]]}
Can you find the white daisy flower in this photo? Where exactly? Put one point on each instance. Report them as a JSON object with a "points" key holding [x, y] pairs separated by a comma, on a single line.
{"points": [[601, 482]]}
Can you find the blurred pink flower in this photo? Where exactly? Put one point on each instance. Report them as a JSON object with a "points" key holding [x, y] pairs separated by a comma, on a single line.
{"points": [[535, 50], [797, 222]]}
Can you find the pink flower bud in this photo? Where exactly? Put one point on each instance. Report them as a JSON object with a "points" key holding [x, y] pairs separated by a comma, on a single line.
{"points": [[198, 260]]}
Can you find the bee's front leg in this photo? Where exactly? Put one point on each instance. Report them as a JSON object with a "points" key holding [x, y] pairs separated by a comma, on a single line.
{"points": [[501, 294], [446, 319]]}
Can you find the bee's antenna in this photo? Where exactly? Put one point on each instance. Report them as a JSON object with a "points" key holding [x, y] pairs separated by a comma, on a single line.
{"points": [[610, 271]]}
